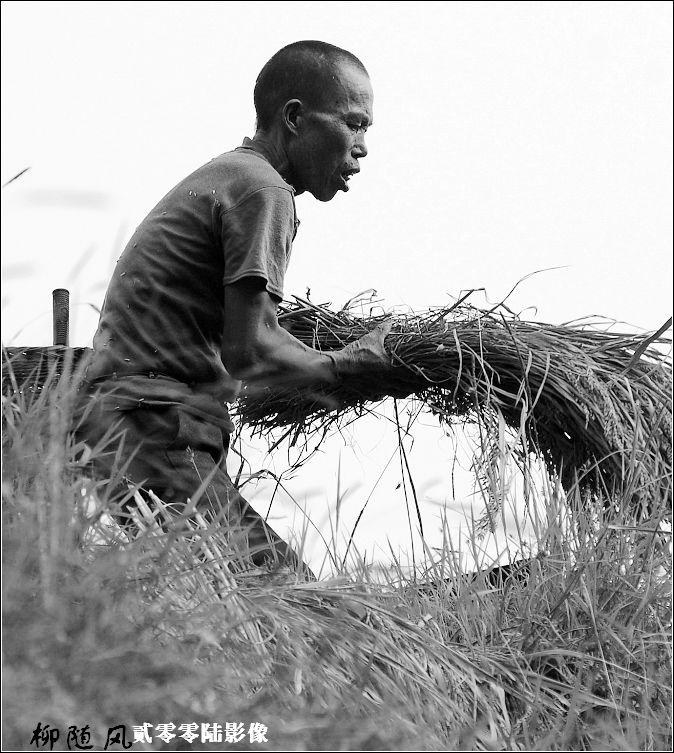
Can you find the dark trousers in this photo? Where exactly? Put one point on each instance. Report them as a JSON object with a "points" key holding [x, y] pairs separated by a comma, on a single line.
{"points": [[177, 451]]}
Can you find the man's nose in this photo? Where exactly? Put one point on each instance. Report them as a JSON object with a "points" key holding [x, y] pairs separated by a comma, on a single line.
{"points": [[359, 148]]}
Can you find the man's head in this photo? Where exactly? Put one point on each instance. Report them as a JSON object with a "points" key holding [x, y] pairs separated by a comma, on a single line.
{"points": [[317, 100]]}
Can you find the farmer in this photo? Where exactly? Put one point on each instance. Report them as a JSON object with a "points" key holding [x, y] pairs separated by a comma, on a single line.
{"points": [[190, 312]]}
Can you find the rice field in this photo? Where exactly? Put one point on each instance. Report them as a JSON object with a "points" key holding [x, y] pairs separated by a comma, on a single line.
{"points": [[572, 652]]}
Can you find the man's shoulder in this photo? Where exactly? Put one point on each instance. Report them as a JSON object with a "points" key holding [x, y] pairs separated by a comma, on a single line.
{"points": [[236, 174]]}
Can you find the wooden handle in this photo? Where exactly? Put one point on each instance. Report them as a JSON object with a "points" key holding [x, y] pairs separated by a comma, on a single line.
{"points": [[61, 301]]}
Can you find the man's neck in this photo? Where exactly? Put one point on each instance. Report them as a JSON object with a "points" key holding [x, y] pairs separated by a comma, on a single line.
{"points": [[274, 152]]}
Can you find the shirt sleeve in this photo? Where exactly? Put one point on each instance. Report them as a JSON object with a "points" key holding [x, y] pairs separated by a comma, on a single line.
{"points": [[257, 236]]}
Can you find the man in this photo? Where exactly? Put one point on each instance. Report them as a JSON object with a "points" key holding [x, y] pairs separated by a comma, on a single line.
{"points": [[191, 309]]}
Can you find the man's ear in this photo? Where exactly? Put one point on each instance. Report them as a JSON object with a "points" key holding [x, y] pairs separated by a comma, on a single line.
{"points": [[292, 112]]}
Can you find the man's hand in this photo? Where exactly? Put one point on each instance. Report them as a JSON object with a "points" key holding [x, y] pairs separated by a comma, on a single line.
{"points": [[367, 363], [366, 356]]}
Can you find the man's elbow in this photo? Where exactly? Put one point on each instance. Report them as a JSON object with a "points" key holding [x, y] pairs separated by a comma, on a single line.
{"points": [[244, 363]]}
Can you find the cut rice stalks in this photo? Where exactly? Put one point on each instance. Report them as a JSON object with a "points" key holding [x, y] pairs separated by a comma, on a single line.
{"points": [[594, 403]]}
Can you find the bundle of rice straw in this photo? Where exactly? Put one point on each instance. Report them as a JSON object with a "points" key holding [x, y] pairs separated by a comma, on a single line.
{"points": [[594, 403]]}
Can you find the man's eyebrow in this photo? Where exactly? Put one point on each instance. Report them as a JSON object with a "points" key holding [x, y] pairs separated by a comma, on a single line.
{"points": [[361, 116]]}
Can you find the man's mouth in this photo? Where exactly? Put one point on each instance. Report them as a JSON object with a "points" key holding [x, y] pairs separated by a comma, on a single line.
{"points": [[346, 177]]}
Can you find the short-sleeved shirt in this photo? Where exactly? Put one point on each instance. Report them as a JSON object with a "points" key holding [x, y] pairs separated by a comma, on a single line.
{"points": [[163, 312]]}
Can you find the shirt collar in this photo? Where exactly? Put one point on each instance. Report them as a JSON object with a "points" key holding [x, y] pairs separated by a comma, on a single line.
{"points": [[249, 145]]}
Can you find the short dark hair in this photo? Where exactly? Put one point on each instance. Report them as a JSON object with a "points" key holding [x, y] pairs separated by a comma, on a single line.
{"points": [[301, 70]]}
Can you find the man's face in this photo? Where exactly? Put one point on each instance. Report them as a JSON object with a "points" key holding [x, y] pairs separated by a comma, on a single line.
{"points": [[331, 138]]}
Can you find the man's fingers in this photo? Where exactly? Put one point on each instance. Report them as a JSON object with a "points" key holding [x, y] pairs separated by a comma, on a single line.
{"points": [[387, 326], [384, 328]]}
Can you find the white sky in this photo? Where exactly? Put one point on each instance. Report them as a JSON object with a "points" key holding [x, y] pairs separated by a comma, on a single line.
{"points": [[508, 138]]}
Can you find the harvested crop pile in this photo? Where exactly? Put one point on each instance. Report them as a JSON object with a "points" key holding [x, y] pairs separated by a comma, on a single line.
{"points": [[594, 403]]}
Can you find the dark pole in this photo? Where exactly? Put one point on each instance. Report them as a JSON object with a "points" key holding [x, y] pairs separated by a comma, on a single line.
{"points": [[61, 301]]}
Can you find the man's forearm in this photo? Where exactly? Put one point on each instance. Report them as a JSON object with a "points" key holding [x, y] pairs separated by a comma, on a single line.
{"points": [[257, 350], [278, 359]]}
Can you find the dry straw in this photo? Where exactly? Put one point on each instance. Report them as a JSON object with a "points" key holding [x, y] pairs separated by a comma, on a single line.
{"points": [[594, 403]]}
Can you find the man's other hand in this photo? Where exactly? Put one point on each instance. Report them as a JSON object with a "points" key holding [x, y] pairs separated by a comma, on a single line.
{"points": [[365, 356]]}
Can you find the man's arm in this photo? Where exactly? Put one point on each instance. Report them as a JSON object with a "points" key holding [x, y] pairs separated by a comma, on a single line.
{"points": [[257, 350]]}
